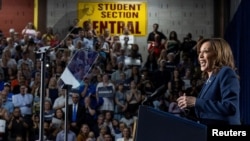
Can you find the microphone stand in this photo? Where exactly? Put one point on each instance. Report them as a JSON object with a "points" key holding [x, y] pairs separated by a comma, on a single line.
{"points": [[67, 88], [42, 51]]}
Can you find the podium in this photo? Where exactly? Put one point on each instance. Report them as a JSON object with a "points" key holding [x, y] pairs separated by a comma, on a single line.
{"points": [[156, 125]]}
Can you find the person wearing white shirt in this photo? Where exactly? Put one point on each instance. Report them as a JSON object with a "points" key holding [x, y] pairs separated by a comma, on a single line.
{"points": [[23, 100], [128, 119], [60, 101], [106, 90], [29, 30], [126, 135], [88, 42], [71, 136]]}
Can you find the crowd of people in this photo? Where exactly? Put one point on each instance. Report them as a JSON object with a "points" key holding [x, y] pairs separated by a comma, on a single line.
{"points": [[105, 105]]}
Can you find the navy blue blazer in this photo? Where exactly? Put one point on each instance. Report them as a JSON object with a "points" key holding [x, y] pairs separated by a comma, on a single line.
{"points": [[218, 101]]}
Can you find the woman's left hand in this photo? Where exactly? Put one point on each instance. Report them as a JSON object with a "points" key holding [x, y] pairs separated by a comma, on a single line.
{"points": [[186, 101]]}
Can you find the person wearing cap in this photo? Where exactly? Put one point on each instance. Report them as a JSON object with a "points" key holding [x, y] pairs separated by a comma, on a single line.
{"points": [[4, 115], [7, 97], [7, 104], [11, 32]]}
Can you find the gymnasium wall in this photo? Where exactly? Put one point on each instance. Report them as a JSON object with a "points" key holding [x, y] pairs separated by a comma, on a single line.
{"points": [[15, 14]]}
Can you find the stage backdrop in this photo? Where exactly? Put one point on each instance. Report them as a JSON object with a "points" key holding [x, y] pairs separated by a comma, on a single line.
{"points": [[115, 16], [238, 36]]}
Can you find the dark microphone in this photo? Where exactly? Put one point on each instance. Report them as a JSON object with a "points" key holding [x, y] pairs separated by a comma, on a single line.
{"points": [[156, 93]]}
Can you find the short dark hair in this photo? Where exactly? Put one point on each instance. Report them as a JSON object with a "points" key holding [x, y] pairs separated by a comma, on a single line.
{"points": [[157, 25]]}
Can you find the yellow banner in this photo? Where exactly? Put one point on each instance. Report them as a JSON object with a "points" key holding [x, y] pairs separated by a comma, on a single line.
{"points": [[115, 16]]}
